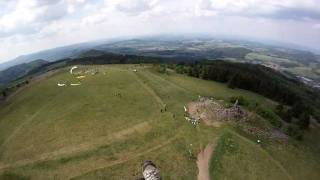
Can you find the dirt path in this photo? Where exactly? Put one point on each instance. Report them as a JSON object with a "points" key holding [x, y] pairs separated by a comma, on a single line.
{"points": [[24, 123], [204, 156], [87, 146], [130, 157], [149, 90], [203, 160], [165, 80]]}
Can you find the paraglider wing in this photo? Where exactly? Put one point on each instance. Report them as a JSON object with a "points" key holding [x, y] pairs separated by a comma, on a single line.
{"points": [[71, 70]]}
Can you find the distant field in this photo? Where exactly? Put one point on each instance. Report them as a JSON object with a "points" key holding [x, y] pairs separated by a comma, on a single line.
{"points": [[305, 71], [286, 64], [266, 58], [106, 127]]}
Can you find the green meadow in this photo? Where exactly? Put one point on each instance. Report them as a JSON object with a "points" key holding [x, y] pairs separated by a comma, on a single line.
{"points": [[117, 118]]}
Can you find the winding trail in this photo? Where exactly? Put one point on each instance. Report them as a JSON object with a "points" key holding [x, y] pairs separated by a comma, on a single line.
{"points": [[204, 157], [165, 80], [149, 90], [86, 146], [128, 158], [203, 160], [25, 122], [71, 150]]}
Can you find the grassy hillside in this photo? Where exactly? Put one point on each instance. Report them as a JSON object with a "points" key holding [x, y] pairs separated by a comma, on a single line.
{"points": [[302, 100], [107, 126]]}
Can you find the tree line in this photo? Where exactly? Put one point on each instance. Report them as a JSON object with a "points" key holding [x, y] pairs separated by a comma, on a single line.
{"points": [[297, 101]]}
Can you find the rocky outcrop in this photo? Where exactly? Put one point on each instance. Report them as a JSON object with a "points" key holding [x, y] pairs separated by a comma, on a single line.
{"points": [[208, 110]]}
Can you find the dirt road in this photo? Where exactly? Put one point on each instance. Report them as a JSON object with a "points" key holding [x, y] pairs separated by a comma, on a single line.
{"points": [[203, 160]]}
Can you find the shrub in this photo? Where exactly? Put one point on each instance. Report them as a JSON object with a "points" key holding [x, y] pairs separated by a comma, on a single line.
{"points": [[294, 131], [270, 116], [162, 68], [241, 100]]}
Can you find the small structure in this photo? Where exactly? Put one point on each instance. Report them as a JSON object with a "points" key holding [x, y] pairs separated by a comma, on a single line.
{"points": [[135, 70], [75, 84]]}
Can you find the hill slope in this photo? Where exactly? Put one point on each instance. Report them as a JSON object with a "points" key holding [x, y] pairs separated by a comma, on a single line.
{"points": [[105, 127], [14, 72]]}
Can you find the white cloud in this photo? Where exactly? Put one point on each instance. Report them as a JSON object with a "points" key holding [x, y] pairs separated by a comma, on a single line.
{"points": [[316, 26], [134, 7], [31, 25], [276, 9], [22, 14]]}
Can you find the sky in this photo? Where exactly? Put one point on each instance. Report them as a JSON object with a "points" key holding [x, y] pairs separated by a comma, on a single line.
{"points": [[28, 26]]}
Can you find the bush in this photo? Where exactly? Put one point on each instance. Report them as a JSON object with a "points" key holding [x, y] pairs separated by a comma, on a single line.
{"points": [[284, 113], [179, 69], [162, 68], [270, 116], [294, 131], [241, 100], [304, 121], [4, 93]]}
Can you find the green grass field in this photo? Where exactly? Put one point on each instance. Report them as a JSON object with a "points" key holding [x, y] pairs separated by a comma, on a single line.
{"points": [[286, 64], [266, 58], [106, 127]]}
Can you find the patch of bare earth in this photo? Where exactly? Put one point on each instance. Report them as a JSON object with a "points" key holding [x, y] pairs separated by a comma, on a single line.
{"points": [[203, 162], [278, 135], [212, 113], [270, 133]]}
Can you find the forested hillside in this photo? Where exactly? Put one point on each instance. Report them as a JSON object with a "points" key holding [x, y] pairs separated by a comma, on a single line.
{"points": [[301, 101]]}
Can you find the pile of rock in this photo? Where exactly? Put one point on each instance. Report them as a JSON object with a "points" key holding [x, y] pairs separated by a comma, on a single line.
{"points": [[208, 110], [234, 113]]}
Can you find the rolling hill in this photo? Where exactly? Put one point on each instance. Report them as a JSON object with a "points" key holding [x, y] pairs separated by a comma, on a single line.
{"points": [[298, 62], [120, 115], [17, 71], [53, 54]]}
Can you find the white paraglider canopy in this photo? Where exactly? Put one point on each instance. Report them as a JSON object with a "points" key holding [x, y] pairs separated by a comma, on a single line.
{"points": [[71, 70], [61, 84], [75, 84]]}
